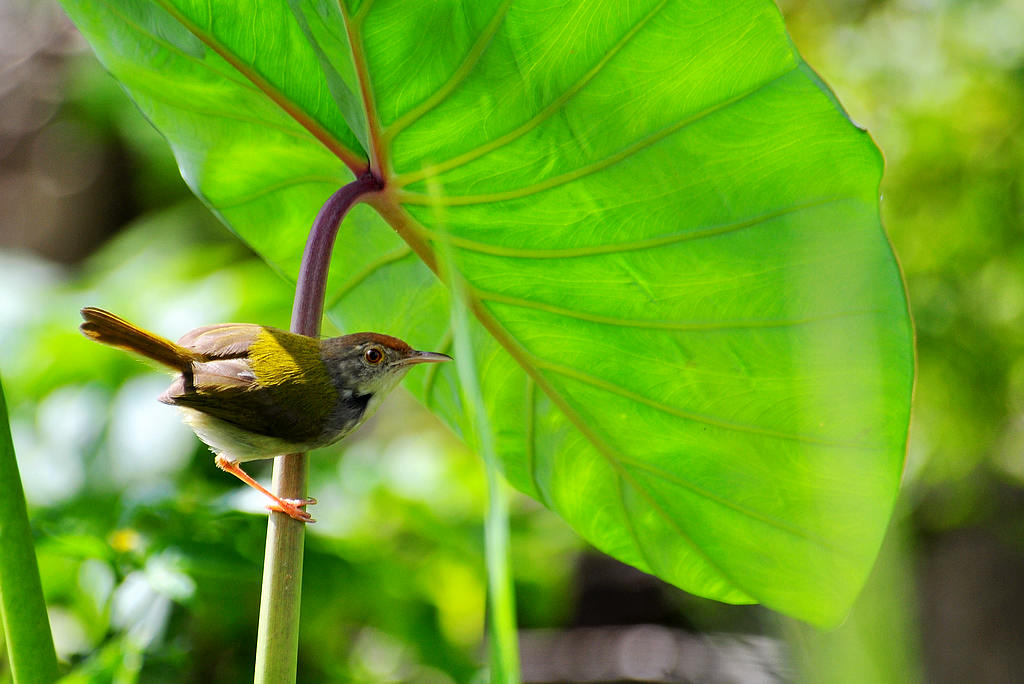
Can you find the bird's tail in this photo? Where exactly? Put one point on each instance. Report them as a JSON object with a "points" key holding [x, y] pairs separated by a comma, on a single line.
{"points": [[107, 328]]}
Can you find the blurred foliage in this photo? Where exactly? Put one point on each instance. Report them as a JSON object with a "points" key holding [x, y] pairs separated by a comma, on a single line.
{"points": [[938, 84], [151, 558], [146, 548]]}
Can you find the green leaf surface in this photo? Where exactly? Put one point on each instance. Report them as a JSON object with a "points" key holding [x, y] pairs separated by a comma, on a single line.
{"points": [[690, 329]]}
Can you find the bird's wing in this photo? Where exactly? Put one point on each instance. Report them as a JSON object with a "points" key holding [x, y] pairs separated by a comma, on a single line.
{"points": [[213, 376], [227, 389], [210, 378], [223, 341]]}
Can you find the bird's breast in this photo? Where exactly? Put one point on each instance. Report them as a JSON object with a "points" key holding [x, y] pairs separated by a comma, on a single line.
{"points": [[351, 411]]}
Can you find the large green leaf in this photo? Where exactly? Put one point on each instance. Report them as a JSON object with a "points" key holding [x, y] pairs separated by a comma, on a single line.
{"points": [[691, 330]]}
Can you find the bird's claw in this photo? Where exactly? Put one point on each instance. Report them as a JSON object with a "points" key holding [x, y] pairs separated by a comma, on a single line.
{"points": [[308, 501], [292, 508]]}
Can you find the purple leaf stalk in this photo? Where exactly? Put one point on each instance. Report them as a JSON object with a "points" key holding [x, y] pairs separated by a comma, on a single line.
{"points": [[277, 640]]}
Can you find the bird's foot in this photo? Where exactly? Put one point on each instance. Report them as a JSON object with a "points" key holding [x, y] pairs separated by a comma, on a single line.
{"points": [[293, 508]]}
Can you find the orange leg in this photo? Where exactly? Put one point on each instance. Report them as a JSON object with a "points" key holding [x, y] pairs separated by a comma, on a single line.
{"points": [[290, 506]]}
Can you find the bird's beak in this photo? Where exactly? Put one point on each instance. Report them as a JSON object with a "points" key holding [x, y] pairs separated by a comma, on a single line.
{"points": [[424, 357]]}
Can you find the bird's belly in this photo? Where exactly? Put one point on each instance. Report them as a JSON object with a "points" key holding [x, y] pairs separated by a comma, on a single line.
{"points": [[231, 441]]}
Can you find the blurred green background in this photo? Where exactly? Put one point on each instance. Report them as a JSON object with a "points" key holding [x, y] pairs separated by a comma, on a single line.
{"points": [[151, 558]]}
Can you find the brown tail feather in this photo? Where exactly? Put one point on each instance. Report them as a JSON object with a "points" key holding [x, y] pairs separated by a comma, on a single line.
{"points": [[107, 328]]}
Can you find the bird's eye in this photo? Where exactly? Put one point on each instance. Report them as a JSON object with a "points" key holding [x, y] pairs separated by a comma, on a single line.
{"points": [[373, 355]]}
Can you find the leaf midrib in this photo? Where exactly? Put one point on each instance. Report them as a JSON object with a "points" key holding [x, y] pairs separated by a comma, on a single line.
{"points": [[379, 158]]}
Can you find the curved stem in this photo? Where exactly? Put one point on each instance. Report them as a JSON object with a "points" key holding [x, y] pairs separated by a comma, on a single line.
{"points": [[277, 640], [308, 308]]}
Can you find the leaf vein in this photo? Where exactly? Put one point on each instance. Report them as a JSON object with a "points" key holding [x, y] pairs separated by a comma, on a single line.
{"points": [[599, 442], [360, 15], [541, 116], [300, 134], [695, 326], [327, 138], [460, 74], [530, 428], [705, 494], [631, 245], [367, 271], [611, 388], [587, 169], [633, 533], [160, 40], [377, 151], [274, 187]]}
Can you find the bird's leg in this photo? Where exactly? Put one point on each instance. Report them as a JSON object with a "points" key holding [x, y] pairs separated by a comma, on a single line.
{"points": [[289, 506]]}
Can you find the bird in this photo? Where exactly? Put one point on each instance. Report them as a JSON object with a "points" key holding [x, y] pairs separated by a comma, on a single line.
{"points": [[252, 392]]}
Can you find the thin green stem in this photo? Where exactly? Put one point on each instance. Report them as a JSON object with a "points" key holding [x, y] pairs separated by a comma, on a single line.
{"points": [[22, 607], [504, 644], [502, 636], [277, 640], [503, 641]]}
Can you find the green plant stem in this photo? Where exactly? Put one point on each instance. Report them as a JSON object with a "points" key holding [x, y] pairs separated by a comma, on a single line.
{"points": [[504, 643], [502, 635], [277, 639], [22, 607]]}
